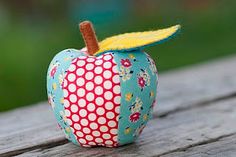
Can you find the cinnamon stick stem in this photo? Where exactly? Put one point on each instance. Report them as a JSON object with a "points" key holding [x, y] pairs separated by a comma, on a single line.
{"points": [[89, 36]]}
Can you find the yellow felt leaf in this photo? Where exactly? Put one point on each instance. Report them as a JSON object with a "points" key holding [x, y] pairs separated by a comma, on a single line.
{"points": [[131, 41]]}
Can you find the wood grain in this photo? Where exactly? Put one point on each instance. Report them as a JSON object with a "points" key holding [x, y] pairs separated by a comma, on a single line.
{"points": [[28, 127], [224, 147], [195, 85], [25, 118], [176, 132]]}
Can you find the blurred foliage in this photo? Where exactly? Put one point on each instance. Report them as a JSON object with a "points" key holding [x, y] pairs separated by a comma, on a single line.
{"points": [[32, 32]]}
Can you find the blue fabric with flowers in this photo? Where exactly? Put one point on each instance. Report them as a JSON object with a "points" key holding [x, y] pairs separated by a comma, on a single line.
{"points": [[56, 73], [138, 79]]}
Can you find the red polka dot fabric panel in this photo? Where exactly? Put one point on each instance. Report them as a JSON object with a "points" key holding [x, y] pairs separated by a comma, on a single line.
{"points": [[92, 99]]}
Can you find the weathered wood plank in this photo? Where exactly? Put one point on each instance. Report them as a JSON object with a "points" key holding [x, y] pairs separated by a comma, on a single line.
{"points": [[28, 127], [177, 131], [193, 85], [223, 147], [178, 90], [25, 118]]}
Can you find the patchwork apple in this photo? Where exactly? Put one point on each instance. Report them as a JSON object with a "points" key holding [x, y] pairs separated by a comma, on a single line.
{"points": [[103, 94]]}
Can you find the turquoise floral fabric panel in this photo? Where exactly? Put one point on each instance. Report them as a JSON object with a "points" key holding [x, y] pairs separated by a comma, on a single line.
{"points": [[138, 77], [56, 73]]}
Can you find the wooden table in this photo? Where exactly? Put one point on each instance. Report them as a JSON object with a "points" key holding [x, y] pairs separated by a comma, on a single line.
{"points": [[195, 116]]}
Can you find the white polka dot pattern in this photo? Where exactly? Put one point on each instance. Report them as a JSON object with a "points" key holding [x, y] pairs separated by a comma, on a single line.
{"points": [[92, 100]]}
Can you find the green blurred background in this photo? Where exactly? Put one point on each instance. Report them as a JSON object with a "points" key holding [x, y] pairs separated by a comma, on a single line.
{"points": [[32, 32]]}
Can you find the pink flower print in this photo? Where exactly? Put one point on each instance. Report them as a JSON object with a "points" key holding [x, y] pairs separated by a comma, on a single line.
{"points": [[141, 82], [134, 117], [126, 63], [53, 71], [143, 79], [54, 68]]}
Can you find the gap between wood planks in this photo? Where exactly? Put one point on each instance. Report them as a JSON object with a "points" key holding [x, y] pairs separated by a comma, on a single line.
{"points": [[175, 131], [209, 102], [40, 146], [221, 147], [195, 105], [197, 144]]}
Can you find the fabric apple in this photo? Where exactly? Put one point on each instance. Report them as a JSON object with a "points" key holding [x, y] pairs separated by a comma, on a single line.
{"points": [[103, 95]]}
